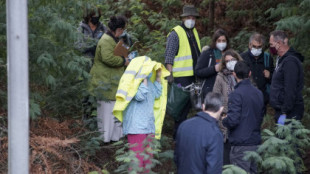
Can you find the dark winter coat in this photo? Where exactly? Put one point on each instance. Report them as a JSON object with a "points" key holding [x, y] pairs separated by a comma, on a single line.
{"points": [[257, 67], [293, 52], [286, 87], [245, 115], [206, 72], [199, 146], [90, 38]]}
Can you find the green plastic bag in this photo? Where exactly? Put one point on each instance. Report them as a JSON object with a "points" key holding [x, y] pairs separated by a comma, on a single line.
{"points": [[177, 99]]}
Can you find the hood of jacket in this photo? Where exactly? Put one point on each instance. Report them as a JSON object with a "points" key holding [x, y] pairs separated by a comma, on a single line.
{"points": [[296, 54]]}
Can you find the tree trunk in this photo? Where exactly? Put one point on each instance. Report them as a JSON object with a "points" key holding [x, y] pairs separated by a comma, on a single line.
{"points": [[211, 9]]}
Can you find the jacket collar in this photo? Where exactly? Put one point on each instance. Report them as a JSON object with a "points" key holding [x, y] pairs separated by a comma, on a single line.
{"points": [[243, 82], [206, 117], [186, 29], [110, 34], [290, 52], [252, 58]]}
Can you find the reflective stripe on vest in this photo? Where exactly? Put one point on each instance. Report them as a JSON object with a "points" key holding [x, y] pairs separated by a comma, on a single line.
{"points": [[183, 62], [137, 75]]}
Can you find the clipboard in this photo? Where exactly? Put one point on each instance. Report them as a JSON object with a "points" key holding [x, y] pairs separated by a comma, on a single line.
{"points": [[121, 49]]}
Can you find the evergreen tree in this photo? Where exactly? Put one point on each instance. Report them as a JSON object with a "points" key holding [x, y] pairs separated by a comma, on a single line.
{"points": [[282, 150]]}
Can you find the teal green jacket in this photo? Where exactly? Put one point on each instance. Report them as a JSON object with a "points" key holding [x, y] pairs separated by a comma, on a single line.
{"points": [[107, 69]]}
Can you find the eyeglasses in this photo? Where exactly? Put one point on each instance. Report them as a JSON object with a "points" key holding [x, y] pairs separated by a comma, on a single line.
{"points": [[257, 46], [233, 59]]}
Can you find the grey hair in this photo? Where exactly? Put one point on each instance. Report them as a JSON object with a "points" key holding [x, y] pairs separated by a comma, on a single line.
{"points": [[257, 37], [213, 102], [279, 35]]}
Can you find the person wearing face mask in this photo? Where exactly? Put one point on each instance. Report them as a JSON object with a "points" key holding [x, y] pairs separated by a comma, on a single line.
{"points": [[287, 80], [105, 75], [92, 30], [208, 64], [182, 50], [244, 118], [261, 64], [224, 84]]}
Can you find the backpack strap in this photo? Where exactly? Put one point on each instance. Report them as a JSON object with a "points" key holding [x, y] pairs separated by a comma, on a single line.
{"points": [[266, 59]]}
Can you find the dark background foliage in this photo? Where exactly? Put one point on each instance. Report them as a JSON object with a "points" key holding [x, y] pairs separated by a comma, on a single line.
{"points": [[59, 72]]}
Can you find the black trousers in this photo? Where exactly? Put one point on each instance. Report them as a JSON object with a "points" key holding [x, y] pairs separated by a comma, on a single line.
{"points": [[236, 158], [226, 154], [183, 81]]}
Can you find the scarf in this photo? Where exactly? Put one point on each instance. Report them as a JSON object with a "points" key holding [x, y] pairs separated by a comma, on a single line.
{"points": [[231, 81]]}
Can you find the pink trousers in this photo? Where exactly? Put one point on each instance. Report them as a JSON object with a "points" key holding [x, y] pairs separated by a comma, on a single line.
{"points": [[136, 144]]}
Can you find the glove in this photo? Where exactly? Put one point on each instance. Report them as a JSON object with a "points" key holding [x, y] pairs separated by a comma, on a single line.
{"points": [[281, 119]]}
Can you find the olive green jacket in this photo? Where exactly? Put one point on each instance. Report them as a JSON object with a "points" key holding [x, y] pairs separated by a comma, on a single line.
{"points": [[107, 69]]}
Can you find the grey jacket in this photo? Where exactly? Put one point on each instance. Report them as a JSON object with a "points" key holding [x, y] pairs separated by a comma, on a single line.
{"points": [[88, 41]]}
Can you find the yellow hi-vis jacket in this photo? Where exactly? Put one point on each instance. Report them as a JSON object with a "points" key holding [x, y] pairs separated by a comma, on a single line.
{"points": [[138, 69], [183, 62]]}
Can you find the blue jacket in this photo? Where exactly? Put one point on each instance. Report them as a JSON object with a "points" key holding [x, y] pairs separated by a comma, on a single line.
{"points": [[199, 146], [139, 115], [245, 115]]}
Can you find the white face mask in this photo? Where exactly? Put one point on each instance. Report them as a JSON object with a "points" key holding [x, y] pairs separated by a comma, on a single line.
{"points": [[221, 46], [189, 23], [256, 52], [231, 65]]}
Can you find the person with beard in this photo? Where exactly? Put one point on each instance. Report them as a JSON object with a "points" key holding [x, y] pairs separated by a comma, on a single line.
{"points": [[260, 63], [105, 75], [182, 50], [287, 80], [92, 30]]}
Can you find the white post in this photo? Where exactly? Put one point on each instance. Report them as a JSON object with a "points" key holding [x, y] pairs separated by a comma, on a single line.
{"points": [[18, 89]]}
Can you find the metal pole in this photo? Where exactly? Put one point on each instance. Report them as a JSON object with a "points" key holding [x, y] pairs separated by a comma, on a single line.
{"points": [[18, 89]]}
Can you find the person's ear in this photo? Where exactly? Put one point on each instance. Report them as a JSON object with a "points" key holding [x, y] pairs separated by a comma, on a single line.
{"points": [[219, 112], [203, 107], [250, 73], [221, 109]]}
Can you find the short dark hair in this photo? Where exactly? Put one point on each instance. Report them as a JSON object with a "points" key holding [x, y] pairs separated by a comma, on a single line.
{"points": [[279, 35], [117, 22], [213, 102], [89, 12], [242, 70], [218, 33]]}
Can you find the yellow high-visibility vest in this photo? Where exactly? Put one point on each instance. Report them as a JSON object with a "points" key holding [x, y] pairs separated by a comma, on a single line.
{"points": [[183, 62], [138, 69]]}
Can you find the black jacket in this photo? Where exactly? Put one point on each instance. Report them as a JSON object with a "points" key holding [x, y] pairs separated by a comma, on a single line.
{"points": [[287, 84], [199, 146], [257, 67], [206, 72], [245, 115], [296, 54]]}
